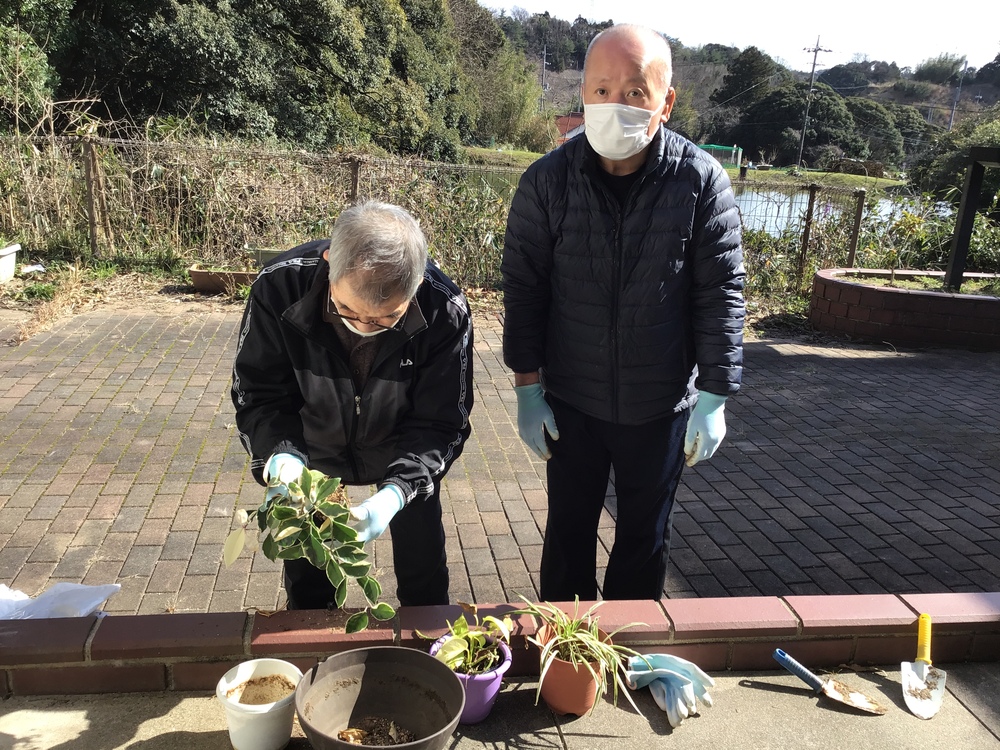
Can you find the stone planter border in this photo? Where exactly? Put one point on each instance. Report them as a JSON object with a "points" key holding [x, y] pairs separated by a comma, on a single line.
{"points": [[903, 316], [150, 653]]}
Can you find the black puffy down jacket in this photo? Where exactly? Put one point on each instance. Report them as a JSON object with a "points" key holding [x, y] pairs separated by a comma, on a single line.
{"points": [[625, 311]]}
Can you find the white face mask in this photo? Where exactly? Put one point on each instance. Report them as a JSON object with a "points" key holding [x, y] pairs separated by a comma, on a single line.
{"points": [[366, 334], [617, 131]]}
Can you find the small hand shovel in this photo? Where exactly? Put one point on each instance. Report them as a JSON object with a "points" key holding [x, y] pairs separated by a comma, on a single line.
{"points": [[923, 685], [831, 688]]}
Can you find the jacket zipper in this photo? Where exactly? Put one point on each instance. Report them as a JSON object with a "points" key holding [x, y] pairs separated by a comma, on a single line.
{"points": [[617, 278]]}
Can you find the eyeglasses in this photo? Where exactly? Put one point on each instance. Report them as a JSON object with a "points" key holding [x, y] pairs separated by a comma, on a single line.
{"points": [[331, 307]]}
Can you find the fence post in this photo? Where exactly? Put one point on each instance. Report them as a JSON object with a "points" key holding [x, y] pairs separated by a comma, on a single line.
{"points": [[859, 210], [89, 162], [813, 191], [355, 179]]}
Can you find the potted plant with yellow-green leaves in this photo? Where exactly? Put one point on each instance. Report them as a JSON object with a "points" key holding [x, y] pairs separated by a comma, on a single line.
{"points": [[479, 654], [309, 518], [578, 660]]}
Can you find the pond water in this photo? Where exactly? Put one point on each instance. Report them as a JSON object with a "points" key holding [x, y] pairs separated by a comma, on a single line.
{"points": [[775, 210]]}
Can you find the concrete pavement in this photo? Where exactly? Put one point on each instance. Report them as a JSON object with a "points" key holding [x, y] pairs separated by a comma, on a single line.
{"points": [[763, 711]]}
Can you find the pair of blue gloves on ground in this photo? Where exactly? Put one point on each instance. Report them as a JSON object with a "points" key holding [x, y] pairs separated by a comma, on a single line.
{"points": [[372, 516], [705, 430], [675, 684]]}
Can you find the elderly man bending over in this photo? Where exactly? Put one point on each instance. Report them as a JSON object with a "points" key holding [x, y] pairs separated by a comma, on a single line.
{"points": [[355, 359]]}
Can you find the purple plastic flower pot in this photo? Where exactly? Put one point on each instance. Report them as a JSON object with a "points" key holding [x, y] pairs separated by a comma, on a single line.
{"points": [[481, 690]]}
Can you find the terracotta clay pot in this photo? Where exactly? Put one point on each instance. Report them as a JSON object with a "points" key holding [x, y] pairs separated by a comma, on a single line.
{"points": [[569, 688]]}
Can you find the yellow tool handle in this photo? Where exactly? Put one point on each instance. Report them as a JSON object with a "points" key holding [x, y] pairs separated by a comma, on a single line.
{"points": [[924, 639]]}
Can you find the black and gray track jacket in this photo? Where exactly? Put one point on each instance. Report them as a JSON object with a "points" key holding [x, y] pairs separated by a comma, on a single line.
{"points": [[621, 307], [293, 391]]}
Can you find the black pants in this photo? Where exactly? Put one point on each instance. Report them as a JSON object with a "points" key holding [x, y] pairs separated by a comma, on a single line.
{"points": [[418, 555], [648, 460]]}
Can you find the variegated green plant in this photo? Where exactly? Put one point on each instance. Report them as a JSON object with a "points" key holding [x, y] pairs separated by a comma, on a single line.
{"points": [[307, 519], [475, 648]]}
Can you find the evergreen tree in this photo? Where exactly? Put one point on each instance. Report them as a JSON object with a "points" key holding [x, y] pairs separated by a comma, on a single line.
{"points": [[877, 127], [747, 80]]}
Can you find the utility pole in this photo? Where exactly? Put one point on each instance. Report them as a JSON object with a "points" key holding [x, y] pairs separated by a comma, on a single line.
{"points": [[545, 63], [812, 79], [958, 93]]}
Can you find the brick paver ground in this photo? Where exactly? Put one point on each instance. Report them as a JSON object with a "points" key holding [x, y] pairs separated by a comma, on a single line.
{"points": [[846, 470]]}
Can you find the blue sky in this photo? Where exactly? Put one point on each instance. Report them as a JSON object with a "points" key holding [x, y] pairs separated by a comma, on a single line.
{"points": [[892, 31]]}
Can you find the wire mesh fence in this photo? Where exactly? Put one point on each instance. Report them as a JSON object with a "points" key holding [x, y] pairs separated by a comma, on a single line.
{"points": [[221, 203]]}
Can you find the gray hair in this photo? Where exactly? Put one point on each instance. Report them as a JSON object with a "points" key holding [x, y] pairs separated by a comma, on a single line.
{"points": [[382, 244], [657, 48]]}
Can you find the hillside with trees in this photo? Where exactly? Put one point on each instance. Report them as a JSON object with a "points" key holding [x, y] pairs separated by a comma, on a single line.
{"points": [[866, 114], [417, 77], [431, 77]]}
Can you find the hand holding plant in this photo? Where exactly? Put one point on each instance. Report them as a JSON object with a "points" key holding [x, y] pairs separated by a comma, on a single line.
{"points": [[309, 518]]}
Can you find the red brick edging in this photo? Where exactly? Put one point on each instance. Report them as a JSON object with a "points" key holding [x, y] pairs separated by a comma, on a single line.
{"points": [[144, 653], [903, 316]]}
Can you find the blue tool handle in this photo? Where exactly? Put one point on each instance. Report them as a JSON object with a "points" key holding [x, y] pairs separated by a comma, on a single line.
{"points": [[798, 670]]}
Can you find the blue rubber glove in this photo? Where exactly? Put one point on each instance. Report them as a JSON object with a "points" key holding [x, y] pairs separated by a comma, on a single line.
{"points": [[374, 514], [535, 418], [280, 469], [285, 467], [675, 684], [706, 427]]}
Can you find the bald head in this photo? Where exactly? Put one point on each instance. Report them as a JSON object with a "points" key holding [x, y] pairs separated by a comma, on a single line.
{"points": [[649, 48]]}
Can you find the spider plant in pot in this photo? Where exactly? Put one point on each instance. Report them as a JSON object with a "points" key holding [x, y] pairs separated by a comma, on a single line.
{"points": [[578, 660], [309, 518], [479, 654]]}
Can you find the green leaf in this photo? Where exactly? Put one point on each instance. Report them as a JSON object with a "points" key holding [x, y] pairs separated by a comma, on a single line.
{"points": [[305, 482], [356, 622], [453, 652], [342, 532], [356, 570], [287, 531], [326, 488], [372, 589], [334, 572], [270, 548], [234, 546], [383, 611], [341, 596], [348, 554], [282, 513], [292, 552], [315, 551]]}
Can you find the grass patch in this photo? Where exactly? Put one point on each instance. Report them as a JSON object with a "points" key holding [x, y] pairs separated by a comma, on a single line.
{"points": [[491, 157], [824, 179], [981, 287]]}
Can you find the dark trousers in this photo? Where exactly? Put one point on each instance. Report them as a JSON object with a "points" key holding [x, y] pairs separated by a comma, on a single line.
{"points": [[648, 460], [418, 556]]}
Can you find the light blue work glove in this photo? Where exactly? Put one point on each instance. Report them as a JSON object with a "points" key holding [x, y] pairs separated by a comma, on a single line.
{"points": [[374, 514], [535, 418], [675, 684], [706, 427], [280, 469]]}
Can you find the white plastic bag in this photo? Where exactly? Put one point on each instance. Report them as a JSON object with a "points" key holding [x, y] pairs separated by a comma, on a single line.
{"points": [[60, 600]]}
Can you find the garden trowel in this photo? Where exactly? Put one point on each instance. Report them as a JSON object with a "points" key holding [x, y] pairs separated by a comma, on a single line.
{"points": [[923, 684], [832, 689]]}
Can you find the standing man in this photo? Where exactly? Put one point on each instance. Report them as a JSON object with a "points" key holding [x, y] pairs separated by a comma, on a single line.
{"points": [[622, 277], [355, 359]]}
